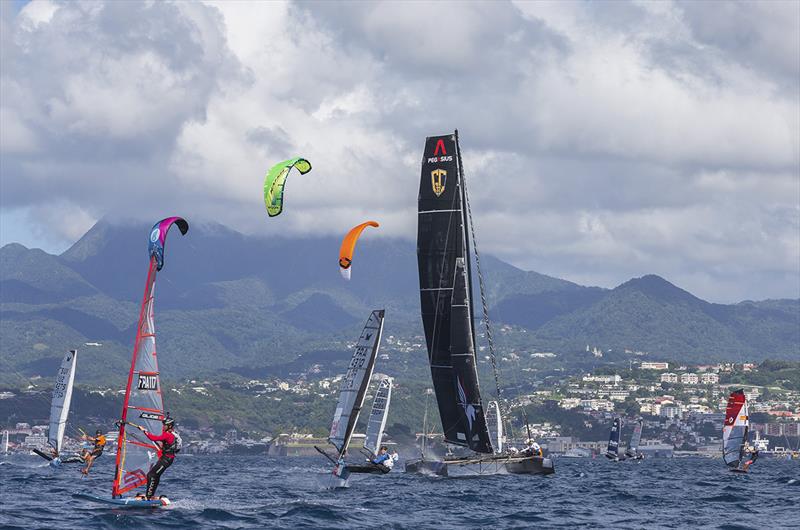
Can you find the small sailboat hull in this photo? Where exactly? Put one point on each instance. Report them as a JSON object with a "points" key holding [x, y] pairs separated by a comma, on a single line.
{"points": [[489, 465]]}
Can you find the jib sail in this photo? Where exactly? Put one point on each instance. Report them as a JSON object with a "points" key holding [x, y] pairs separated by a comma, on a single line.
{"points": [[613, 440], [443, 257], [735, 430], [355, 382], [62, 396], [377, 416], [143, 404]]}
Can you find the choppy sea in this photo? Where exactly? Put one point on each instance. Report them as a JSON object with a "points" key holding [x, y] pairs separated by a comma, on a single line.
{"points": [[261, 492]]}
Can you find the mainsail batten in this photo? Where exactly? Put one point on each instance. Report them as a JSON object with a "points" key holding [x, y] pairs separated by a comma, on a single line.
{"points": [[445, 289], [62, 397], [354, 385]]}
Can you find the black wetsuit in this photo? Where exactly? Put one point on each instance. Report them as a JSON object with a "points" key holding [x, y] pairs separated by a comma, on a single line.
{"points": [[164, 461]]}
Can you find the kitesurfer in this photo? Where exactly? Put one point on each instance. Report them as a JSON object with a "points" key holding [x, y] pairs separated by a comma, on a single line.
{"points": [[170, 445], [99, 441]]}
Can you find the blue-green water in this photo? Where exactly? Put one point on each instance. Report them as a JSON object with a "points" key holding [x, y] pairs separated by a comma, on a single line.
{"points": [[256, 492]]}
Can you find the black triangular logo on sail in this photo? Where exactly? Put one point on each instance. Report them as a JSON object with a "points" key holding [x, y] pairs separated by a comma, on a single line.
{"points": [[368, 335]]}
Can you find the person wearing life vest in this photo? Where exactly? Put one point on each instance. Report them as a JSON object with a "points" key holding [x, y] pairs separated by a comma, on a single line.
{"points": [[167, 448], [89, 456], [533, 449]]}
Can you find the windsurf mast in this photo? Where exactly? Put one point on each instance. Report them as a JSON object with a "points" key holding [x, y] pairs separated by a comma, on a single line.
{"points": [[735, 429], [354, 385], [62, 397], [443, 257], [143, 403], [376, 423]]}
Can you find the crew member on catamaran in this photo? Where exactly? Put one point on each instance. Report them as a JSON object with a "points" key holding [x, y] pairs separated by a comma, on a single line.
{"points": [[533, 449], [99, 441], [166, 454]]}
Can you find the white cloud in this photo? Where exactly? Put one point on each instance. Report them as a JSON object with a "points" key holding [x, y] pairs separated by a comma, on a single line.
{"points": [[601, 141]]}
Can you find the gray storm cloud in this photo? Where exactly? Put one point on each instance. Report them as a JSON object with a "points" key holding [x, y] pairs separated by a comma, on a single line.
{"points": [[601, 140]]}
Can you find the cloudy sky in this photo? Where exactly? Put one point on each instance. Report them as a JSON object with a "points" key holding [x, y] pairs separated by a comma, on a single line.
{"points": [[602, 140]]}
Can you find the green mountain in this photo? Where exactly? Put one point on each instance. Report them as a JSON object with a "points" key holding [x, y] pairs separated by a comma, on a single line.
{"points": [[228, 303]]}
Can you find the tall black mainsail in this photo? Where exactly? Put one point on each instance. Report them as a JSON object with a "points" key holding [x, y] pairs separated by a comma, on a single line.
{"points": [[443, 255]]}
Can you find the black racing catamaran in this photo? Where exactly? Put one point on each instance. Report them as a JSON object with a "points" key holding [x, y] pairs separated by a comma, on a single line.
{"points": [[445, 280], [351, 398]]}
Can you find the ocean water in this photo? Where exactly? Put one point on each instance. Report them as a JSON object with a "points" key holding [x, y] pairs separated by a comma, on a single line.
{"points": [[260, 492]]}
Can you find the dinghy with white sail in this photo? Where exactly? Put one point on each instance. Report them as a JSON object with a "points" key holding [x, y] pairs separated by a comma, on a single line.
{"points": [[376, 424], [59, 410], [352, 392]]}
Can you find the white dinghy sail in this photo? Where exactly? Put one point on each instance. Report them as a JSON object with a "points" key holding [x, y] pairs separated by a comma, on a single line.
{"points": [[376, 424], [62, 397], [494, 420]]}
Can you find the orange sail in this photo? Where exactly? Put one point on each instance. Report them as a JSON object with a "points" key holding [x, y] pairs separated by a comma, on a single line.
{"points": [[349, 245]]}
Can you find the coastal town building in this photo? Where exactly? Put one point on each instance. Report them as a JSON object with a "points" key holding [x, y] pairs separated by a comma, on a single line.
{"points": [[654, 366], [669, 377], [709, 379], [689, 379]]}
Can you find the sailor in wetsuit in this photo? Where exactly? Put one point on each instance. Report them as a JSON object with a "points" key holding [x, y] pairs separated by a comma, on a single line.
{"points": [[753, 457], [89, 456], [166, 454], [384, 460]]}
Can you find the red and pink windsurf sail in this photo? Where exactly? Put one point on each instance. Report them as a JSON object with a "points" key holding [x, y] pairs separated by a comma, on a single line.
{"points": [[144, 402]]}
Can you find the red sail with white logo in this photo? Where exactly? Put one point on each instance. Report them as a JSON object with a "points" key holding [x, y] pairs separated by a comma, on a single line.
{"points": [[735, 430], [144, 403]]}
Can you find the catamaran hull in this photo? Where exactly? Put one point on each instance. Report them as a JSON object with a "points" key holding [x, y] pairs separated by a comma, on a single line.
{"points": [[494, 465]]}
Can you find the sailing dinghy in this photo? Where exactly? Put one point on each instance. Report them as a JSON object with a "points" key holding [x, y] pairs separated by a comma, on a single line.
{"points": [[735, 433], [143, 403], [352, 391], [59, 411], [444, 257], [633, 446], [376, 424], [612, 452]]}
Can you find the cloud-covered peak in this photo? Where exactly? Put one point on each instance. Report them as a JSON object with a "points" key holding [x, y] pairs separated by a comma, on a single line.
{"points": [[601, 140]]}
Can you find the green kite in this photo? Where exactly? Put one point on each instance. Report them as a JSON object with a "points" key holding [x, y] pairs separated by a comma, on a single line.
{"points": [[276, 180]]}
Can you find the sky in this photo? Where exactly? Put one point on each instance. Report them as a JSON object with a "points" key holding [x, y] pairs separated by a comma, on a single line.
{"points": [[601, 140]]}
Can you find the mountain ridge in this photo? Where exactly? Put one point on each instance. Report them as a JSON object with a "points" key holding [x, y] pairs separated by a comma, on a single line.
{"points": [[227, 299]]}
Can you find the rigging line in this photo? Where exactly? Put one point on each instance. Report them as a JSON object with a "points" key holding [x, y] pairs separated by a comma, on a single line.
{"points": [[486, 322]]}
